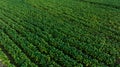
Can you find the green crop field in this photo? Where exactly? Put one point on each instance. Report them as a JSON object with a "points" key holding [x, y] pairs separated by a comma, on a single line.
{"points": [[59, 33]]}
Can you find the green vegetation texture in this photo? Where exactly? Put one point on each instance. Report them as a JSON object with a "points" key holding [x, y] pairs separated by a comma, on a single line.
{"points": [[60, 33]]}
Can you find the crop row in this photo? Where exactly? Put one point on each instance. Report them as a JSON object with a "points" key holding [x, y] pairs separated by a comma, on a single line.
{"points": [[31, 37], [52, 39], [101, 52], [103, 31], [29, 49], [4, 59], [20, 59], [109, 35], [60, 36]]}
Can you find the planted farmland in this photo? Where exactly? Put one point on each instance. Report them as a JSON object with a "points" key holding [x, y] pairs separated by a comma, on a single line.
{"points": [[60, 33]]}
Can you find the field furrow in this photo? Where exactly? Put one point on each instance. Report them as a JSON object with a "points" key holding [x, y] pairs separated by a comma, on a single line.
{"points": [[60, 33]]}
